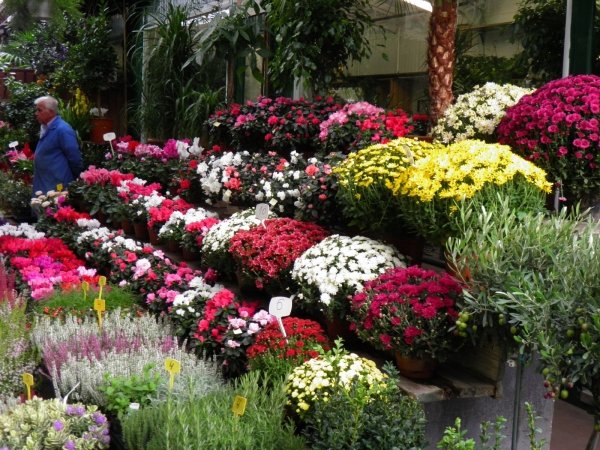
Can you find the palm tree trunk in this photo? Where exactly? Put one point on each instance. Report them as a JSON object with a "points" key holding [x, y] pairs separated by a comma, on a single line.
{"points": [[440, 56]]}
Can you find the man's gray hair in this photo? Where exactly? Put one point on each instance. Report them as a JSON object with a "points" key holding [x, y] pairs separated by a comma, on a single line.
{"points": [[49, 102]]}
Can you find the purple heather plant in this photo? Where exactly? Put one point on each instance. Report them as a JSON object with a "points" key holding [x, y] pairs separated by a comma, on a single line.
{"points": [[557, 127]]}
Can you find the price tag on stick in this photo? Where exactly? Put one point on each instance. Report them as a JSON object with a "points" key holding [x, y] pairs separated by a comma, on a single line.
{"points": [[281, 307], [109, 137], [28, 380], [13, 144], [262, 212], [173, 367], [239, 405]]}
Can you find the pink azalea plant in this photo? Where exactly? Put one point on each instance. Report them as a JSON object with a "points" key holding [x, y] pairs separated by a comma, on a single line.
{"points": [[358, 125], [409, 310], [227, 328], [558, 128]]}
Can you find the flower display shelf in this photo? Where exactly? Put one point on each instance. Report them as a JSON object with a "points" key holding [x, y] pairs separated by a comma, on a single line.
{"points": [[473, 372]]}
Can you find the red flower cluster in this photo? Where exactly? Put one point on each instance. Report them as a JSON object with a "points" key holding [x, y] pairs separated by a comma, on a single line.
{"points": [[410, 310], [558, 128], [280, 124], [158, 215], [266, 252], [303, 339], [194, 233]]}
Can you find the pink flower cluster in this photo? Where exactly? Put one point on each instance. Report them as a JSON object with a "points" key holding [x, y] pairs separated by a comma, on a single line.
{"points": [[103, 176], [410, 310], [44, 263], [558, 128]]}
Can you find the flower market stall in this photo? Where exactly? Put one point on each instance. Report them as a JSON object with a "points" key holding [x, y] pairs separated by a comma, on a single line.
{"points": [[304, 227]]}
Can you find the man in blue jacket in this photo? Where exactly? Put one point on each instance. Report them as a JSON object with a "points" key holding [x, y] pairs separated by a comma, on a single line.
{"points": [[57, 158]]}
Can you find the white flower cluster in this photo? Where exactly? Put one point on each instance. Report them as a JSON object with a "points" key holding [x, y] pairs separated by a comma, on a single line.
{"points": [[184, 305], [318, 377], [283, 189], [478, 113], [341, 262], [217, 170], [218, 237], [22, 230], [178, 220]]}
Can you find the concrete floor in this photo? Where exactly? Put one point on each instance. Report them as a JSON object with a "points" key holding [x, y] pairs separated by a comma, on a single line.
{"points": [[571, 427]]}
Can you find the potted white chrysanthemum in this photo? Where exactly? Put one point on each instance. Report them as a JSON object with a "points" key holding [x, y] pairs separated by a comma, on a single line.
{"points": [[476, 115]]}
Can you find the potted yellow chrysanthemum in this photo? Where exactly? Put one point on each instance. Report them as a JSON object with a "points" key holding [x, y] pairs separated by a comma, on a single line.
{"points": [[468, 171]]}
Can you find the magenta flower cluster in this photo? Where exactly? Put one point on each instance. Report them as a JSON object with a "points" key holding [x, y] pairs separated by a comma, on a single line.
{"points": [[558, 128]]}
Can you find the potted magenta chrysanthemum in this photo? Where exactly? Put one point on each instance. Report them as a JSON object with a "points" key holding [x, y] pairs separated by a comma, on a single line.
{"points": [[412, 312], [558, 128]]}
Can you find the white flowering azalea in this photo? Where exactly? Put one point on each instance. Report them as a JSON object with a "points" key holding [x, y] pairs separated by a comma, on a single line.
{"points": [[24, 230], [88, 224], [477, 114], [338, 267]]}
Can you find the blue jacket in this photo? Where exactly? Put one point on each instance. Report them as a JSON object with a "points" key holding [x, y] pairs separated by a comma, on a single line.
{"points": [[57, 159]]}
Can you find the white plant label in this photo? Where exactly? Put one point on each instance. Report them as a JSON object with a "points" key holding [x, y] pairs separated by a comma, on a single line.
{"points": [[13, 144], [108, 137], [280, 306], [262, 211]]}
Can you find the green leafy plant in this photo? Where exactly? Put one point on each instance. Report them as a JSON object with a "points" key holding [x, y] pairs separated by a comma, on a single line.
{"points": [[120, 392], [303, 49], [72, 301], [173, 82], [342, 421], [454, 438], [485, 436], [208, 422], [19, 111]]}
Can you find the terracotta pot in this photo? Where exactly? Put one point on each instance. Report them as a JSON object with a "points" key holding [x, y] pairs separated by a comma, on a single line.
{"points": [[101, 217], [140, 230], [416, 369], [153, 236], [98, 127], [336, 327], [189, 255], [174, 246], [127, 226]]}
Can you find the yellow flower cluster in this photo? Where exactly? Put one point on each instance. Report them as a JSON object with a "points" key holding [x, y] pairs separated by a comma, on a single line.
{"points": [[81, 105], [380, 163], [461, 170], [317, 378]]}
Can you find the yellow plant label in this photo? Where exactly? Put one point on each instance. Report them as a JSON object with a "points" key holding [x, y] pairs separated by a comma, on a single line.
{"points": [[99, 305], [172, 365], [239, 405], [59, 187], [28, 380], [101, 283], [85, 287]]}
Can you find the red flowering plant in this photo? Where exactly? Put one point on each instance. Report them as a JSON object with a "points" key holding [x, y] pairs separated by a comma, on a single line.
{"points": [[137, 197], [266, 253], [227, 328], [159, 215], [317, 188], [280, 124], [557, 127], [358, 125], [194, 233], [412, 311], [273, 353], [97, 188]]}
